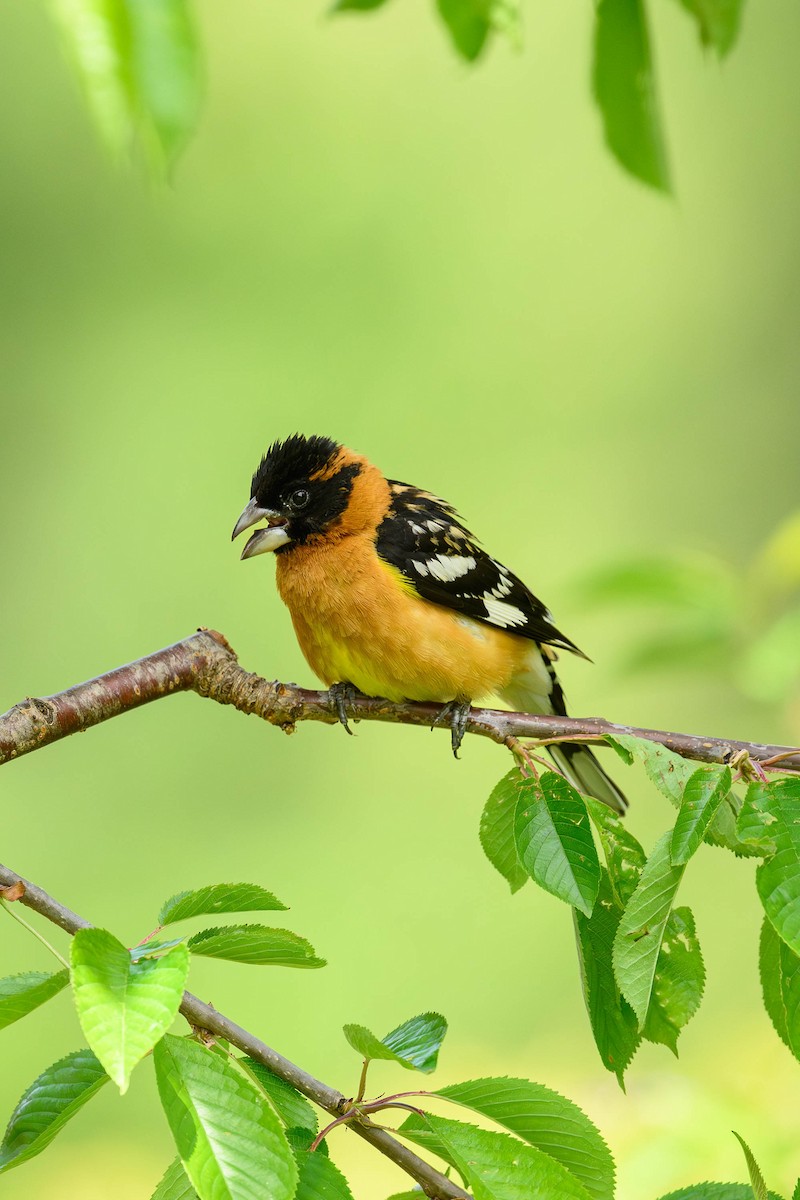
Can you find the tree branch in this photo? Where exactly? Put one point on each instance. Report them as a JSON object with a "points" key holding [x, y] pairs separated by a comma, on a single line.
{"points": [[206, 664], [203, 1016]]}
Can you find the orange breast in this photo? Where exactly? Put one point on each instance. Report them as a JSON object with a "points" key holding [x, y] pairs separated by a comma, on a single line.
{"points": [[356, 619]]}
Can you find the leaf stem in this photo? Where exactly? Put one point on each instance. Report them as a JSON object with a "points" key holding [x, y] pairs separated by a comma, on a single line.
{"points": [[362, 1083], [35, 933]]}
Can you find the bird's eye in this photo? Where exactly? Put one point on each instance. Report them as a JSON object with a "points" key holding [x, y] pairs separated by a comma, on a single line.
{"points": [[299, 498]]}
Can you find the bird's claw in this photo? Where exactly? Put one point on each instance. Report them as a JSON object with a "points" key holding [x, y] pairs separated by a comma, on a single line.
{"points": [[342, 696], [456, 712]]}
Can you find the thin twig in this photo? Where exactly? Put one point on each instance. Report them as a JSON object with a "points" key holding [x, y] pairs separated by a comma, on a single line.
{"points": [[206, 664], [203, 1016]]}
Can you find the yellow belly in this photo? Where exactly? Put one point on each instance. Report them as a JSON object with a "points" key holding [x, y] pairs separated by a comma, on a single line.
{"points": [[357, 621]]}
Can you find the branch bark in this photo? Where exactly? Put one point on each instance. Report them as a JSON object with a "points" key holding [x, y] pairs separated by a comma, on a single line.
{"points": [[203, 1016], [204, 663]]}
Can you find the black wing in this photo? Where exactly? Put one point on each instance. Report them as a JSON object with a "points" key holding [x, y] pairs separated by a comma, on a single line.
{"points": [[424, 539]]}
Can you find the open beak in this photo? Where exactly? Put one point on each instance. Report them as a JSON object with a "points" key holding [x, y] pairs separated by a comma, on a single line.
{"points": [[263, 540]]}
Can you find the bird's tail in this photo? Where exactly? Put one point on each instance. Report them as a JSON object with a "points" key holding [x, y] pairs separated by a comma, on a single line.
{"points": [[585, 773]]}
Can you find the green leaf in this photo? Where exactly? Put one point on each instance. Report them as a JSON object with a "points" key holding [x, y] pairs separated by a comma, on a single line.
{"points": [[165, 61], [705, 790], [624, 87], [256, 944], [546, 1120], [679, 981], [624, 856], [48, 1104], [637, 944], [756, 1178], [495, 1166], [218, 898], [613, 1021], [796, 1192], [778, 878], [554, 840], [470, 22], [357, 5], [779, 968], [320, 1179], [153, 948], [666, 769], [717, 1191], [293, 1109], [21, 994], [718, 22], [497, 830], [229, 1140], [124, 1007], [97, 37], [415, 1044], [755, 819], [702, 586], [175, 1184]]}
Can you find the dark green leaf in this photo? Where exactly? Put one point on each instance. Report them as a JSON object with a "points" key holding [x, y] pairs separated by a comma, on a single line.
{"points": [[717, 1191], [679, 982], [218, 898], [356, 5], [705, 790], [495, 1166], [756, 1178], [778, 879], [48, 1104], [469, 23], [319, 1178], [415, 1044], [303, 1139], [123, 1006], [165, 62], [624, 87], [623, 854], [755, 822], [717, 20], [293, 1109], [779, 968], [256, 944], [228, 1138], [638, 940], [547, 1121], [554, 840], [21, 994], [497, 830], [175, 1184], [613, 1021]]}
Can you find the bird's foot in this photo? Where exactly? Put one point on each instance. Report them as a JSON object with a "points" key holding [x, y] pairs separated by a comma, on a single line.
{"points": [[456, 713], [342, 696]]}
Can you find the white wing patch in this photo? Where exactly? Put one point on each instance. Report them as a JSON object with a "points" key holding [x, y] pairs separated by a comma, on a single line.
{"points": [[449, 567], [503, 614]]}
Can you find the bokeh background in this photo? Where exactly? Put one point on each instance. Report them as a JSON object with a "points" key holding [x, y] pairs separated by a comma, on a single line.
{"points": [[444, 268]]}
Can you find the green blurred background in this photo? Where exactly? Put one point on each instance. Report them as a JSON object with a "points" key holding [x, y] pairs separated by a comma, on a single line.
{"points": [[444, 268]]}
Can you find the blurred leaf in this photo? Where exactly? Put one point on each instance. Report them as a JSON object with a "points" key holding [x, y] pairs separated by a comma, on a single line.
{"points": [[356, 5], [319, 1179], [679, 981], [778, 878], [705, 648], [778, 566], [796, 1192], [165, 60], [495, 1166], [613, 1021], [48, 1104], [770, 669], [124, 1007], [779, 968], [255, 944], [21, 994], [415, 1044], [717, 20], [637, 944], [688, 585], [293, 1109], [218, 898], [228, 1138], [175, 1184], [756, 1178], [97, 39], [624, 88], [497, 830], [554, 840], [546, 1120], [623, 854], [471, 21], [705, 790]]}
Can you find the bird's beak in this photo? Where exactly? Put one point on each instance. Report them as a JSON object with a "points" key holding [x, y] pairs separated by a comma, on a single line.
{"points": [[263, 540]]}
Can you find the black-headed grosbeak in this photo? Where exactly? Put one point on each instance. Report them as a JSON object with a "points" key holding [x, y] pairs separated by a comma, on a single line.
{"points": [[391, 595]]}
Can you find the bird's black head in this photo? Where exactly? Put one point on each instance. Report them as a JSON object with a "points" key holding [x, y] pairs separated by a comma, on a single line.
{"points": [[302, 486]]}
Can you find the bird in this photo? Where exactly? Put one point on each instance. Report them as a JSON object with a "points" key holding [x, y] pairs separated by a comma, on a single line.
{"points": [[390, 595]]}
